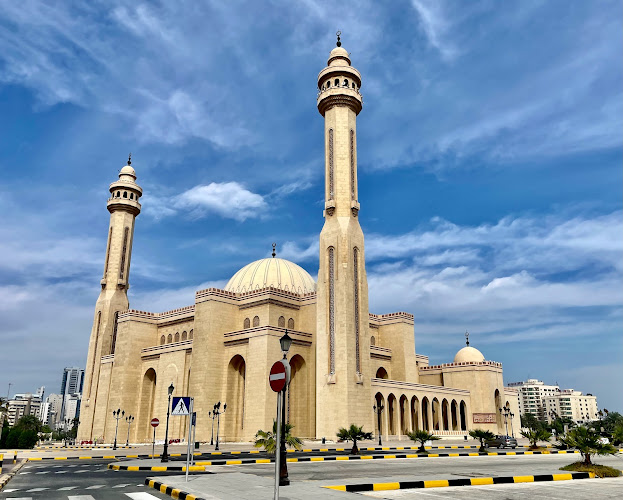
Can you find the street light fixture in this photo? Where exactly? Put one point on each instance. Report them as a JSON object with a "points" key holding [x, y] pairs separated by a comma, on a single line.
{"points": [[129, 419], [378, 409], [212, 415], [118, 414], [165, 452], [507, 413], [284, 480], [217, 412]]}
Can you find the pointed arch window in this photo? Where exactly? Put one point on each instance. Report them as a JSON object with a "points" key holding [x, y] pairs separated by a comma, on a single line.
{"points": [[281, 322], [169, 338], [247, 323], [162, 340], [177, 336], [356, 296], [191, 334], [291, 324], [114, 333], [256, 321], [352, 165], [331, 252], [107, 252], [126, 233], [331, 167], [184, 335]]}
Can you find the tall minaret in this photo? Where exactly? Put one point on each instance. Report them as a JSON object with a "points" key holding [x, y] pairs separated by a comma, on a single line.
{"points": [[342, 340], [123, 206]]}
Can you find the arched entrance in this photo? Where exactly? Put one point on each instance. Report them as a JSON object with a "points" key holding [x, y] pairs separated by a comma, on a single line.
{"points": [[463, 416], [415, 411], [444, 415], [425, 422], [380, 403], [392, 403], [436, 414], [381, 373], [404, 415], [498, 412], [298, 397], [454, 411], [236, 375], [148, 392]]}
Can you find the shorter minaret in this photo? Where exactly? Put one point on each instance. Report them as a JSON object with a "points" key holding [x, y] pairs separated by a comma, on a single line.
{"points": [[123, 206]]}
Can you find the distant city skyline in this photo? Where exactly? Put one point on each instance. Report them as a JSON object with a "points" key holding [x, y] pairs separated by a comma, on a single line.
{"points": [[489, 153]]}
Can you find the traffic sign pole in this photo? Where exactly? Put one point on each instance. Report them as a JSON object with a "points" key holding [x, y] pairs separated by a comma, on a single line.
{"points": [[154, 423], [278, 443], [190, 424]]}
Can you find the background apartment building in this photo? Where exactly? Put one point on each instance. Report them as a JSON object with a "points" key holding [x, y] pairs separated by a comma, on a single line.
{"points": [[571, 404], [531, 395], [25, 404], [71, 393]]}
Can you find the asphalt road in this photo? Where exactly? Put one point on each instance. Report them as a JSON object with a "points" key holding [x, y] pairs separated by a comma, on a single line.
{"points": [[77, 480]]}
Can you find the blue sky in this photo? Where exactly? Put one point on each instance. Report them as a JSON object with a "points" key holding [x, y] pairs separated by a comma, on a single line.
{"points": [[490, 174]]}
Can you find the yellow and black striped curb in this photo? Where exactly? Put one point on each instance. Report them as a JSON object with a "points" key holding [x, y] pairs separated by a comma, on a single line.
{"points": [[4, 479], [169, 490], [40, 449], [476, 481], [200, 466]]}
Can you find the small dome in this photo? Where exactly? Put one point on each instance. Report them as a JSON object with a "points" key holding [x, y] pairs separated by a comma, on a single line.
{"points": [[127, 170], [278, 273], [337, 55], [468, 354]]}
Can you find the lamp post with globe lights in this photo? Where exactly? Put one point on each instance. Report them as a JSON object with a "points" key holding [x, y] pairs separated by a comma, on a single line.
{"points": [[118, 415], [165, 452], [129, 419], [285, 343]]}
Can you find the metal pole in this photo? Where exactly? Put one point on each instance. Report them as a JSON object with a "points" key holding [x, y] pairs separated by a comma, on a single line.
{"points": [[284, 480], [190, 424], [277, 446], [212, 437], [116, 428], [153, 445], [378, 414], [218, 426], [127, 441], [194, 424], [165, 452]]}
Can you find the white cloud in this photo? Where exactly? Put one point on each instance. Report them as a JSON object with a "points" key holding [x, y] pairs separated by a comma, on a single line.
{"points": [[434, 21]]}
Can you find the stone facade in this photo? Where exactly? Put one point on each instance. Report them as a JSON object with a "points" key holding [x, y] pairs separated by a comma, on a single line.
{"points": [[344, 360]]}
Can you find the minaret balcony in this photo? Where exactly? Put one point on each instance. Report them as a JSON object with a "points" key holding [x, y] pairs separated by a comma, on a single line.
{"points": [[339, 96], [125, 204]]}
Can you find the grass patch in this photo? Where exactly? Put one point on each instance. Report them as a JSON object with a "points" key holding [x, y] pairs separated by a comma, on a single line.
{"points": [[599, 470]]}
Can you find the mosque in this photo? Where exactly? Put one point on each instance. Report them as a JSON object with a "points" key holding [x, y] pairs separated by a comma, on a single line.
{"points": [[345, 360]]}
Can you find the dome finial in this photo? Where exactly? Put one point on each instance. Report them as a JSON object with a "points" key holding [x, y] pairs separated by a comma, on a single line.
{"points": [[274, 251], [467, 338], [339, 44], [130, 159]]}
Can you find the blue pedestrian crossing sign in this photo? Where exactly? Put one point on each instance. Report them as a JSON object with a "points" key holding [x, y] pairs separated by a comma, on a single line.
{"points": [[180, 406]]}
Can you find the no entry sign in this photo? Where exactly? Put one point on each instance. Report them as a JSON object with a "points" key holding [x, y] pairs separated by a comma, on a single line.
{"points": [[155, 422], [277, 377]]}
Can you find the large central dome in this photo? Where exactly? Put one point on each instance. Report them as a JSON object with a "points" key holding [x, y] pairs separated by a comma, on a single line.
{"points": [[278, 273]]}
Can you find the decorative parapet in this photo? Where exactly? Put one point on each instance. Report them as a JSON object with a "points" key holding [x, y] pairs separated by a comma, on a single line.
{"points": [[109, 358], [166, 316], [157, 350], [465, 363], [397, 317], [203, 295], [243, 336], [411, 386], [380, 352]]}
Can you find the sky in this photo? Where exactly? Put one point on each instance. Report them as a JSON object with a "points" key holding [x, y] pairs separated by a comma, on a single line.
{"points": [[489, 148]]}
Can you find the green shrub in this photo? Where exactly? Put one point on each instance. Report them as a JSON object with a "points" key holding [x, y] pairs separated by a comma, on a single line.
{"points": [[12, 440], [3, 437], [599, 470], [28, 440]]}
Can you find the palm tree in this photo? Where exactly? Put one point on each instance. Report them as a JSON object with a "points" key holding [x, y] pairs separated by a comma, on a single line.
{"points": [[354, 433], [535, 435], [422, 437], [482, 435], [267, 439], [588, 443]]}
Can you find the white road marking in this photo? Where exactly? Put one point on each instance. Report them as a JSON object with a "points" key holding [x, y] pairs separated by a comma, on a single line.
{"points": [[11, 490], [79, 471], [80, 497], [121, 485], [141, 495], [67, 488], [21, 498], [43, 472], [36, 489], [96, 487], [60, 472]]}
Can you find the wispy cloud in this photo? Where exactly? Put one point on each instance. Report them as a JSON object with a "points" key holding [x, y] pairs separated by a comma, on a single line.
{"points": [[435, 23]]}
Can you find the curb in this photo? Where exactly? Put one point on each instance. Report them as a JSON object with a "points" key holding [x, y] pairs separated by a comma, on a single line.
{"points": [[201, 465], [7, 477], [172, 492], [478, 481]]}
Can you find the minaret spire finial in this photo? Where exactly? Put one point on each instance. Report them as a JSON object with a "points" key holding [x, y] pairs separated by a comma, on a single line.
{"points": [[130, 159], [339, 44], [467, 338], [274, 251]]}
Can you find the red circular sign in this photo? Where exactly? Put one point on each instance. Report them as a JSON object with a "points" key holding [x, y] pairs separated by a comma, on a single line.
{"points": [[155, 422], [277, 377]]}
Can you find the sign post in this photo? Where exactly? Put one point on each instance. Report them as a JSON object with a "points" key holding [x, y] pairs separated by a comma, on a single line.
{"points": [[154, 423], [278, 380], [190, 426], [194, 424]]}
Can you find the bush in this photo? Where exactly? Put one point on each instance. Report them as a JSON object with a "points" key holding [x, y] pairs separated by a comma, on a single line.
{"points": [[12, 440], [3, 437], [27, 439], [599, 470]]}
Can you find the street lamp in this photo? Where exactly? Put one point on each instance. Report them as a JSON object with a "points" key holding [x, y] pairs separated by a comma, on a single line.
{"points": [[165, 452], [217, 411], [212, 415], [129, 419], [378, 409], [118, 414], [506, 412], [284, 480]]}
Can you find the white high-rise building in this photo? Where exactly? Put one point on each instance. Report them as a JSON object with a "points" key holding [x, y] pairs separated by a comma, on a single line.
{"points": [[24, 404], [50, 411], [571, 404], [531, 395]]}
